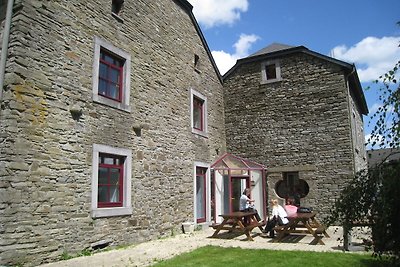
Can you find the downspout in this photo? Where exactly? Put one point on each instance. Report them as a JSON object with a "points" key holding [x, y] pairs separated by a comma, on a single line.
{"points": [[4, 46]]}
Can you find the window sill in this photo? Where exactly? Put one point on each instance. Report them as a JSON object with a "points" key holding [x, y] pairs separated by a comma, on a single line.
{"points": [[201, 133], [111, 103], [118, 18], [271, 81], [110, 212]]}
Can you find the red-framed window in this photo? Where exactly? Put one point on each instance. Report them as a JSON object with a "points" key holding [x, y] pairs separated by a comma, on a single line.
{"points": [[198, 114], [201, 194], [110, 75], [110, 181]]}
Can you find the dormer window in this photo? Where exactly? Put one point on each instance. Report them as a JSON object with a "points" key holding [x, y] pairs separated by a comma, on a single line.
{"points": [[270, 71]]}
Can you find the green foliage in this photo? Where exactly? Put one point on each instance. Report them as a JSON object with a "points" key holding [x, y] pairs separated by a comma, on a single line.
{"points": [[374, 195], [386, 132], [210, 256]]}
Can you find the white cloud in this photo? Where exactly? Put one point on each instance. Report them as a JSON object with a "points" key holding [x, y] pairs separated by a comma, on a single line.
{"points": [[372, 56], [218, 12], [225, 61], [369, 140]]}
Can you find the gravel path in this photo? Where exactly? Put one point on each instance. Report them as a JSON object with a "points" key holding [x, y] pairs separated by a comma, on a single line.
{"points": [[148, 253]]}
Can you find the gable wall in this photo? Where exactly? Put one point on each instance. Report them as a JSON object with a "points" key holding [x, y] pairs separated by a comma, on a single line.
{"points": [[46, 154], [299, 124]]}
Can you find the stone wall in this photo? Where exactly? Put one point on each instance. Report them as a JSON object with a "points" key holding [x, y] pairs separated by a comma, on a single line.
{"points": [[46, 154], [300, 124]]}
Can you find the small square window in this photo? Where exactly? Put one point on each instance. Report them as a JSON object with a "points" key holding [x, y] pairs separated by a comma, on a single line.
{"points": [[111, 75], [270, 71], [198, 113]]}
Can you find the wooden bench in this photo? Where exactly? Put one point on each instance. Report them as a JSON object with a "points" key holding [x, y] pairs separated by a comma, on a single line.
{"points": [[251, 226]]}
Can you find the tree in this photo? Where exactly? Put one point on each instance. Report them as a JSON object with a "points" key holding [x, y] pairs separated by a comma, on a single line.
{"points": [[374, 194]]}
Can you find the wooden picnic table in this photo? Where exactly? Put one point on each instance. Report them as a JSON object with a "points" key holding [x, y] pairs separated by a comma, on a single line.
{"points": [[242, 222], [305, 223]]}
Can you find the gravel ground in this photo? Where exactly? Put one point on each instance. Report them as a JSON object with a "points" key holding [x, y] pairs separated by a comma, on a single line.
{"points": [[146, 254]]}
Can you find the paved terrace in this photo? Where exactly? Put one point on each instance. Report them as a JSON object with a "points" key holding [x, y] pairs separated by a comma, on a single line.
{"points": [[146, 254]]}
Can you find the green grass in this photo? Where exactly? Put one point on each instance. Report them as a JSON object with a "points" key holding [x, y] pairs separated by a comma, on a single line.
{"points": [[216, 256]]}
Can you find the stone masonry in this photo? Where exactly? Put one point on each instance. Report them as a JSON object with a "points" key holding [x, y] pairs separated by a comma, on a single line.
{"points": [[46, 153], [299, 124]]}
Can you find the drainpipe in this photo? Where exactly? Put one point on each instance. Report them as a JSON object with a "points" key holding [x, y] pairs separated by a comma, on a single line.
{"points": [[4, 47]]}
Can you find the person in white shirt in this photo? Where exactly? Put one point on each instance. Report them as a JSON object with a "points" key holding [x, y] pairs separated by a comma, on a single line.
{"points": [[279, 216], [247, 204]]}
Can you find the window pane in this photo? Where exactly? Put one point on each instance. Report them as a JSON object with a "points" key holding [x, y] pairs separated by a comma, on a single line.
{"points": [[108, 160], [102, 194], [113, 91], [103, 70], [114, 193], [103, 175], [197, 117], [114, 176], [200, 189], [114, 75], [108, 59], [102, 87]]}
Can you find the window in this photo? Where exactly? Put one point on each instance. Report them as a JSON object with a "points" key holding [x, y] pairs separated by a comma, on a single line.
{"points": [[110, 177], [111, 75], [116, 6], [201, 194], [197, 63], [270, 71], [201, 191], [111, 181], [291, 187], [198, 113]]}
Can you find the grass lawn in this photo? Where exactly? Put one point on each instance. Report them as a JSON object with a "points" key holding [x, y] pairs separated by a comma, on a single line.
{"points": [[217, 256]]}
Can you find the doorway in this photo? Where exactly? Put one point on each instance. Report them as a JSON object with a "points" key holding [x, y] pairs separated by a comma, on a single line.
{"points": [[238, 184]]}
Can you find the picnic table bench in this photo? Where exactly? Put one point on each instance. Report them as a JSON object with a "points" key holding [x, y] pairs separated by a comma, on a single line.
{"points": [[305, 223], [242, 222]]}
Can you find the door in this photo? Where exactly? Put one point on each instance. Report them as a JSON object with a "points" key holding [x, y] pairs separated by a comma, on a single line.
{"points": [[238, 184], [201, 194]]}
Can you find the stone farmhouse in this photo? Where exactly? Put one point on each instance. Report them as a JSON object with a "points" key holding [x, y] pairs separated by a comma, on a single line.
{"points": [[113, 115]]}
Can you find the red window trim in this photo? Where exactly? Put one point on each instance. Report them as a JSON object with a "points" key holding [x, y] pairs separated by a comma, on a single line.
{"points": [[198, 104], [202, 171], [119, 69], [120, 180]]}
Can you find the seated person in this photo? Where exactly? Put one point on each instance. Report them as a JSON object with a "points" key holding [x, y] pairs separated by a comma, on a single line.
{"points": [[247, 204], [278, 218], [290, 208]]}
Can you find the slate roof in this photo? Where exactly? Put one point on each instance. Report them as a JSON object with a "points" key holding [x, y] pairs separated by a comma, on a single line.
{"points": [[274, 47]]}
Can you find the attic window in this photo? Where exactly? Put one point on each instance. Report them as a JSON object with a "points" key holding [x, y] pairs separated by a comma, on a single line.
{"points": [[270, 71], [196, 62], [116, 6]]}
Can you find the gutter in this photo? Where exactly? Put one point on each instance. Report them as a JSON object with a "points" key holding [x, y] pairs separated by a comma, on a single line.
{"points": [[4, 47]]}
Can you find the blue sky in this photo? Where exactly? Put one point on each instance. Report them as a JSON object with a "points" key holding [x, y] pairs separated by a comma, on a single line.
{"points": [[363, 32]]}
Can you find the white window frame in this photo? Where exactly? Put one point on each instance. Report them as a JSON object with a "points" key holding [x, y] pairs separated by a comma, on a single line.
{"points": [[194, 93], [124, 104], [264, 79], [126, 208], [208, 191]]}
